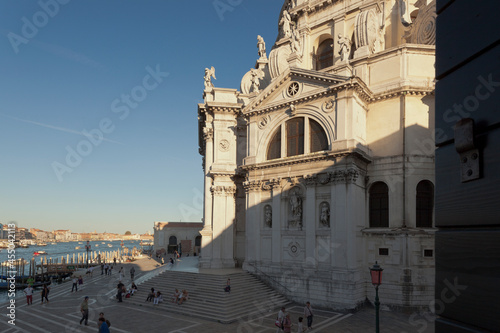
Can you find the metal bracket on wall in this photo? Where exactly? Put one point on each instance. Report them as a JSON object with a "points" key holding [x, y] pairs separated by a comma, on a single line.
{"points": [[469, 154]]}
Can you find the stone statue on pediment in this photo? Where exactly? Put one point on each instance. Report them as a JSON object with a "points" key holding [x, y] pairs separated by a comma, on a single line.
{"points": [[268, 216], [261, 46], [285, 23], [296, 43], [345, 47], [257, 75], [209, 74]]}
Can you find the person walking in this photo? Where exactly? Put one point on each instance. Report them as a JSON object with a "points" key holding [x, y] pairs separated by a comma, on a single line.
{"points": [[103, 326], [132, 273], [45, 293], [280, 319], [300, 326], [228, 286], [102, 268], [287, 324], [120, 274], [119, 289], [29, 294], [106, 269], [84, 309], [75, 283], [308, 313]]}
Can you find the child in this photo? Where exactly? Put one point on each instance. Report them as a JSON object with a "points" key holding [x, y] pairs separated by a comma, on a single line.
{"points": [[300, 328]]}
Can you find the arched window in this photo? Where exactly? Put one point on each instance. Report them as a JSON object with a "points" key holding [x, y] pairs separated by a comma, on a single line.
{"points": [[425, 204], [295, 137], [172, 244], [379, 205], [318, 138], [274, 150], [324, 57]]}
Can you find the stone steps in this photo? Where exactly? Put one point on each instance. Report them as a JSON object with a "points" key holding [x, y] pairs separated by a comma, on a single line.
{"points": [[207, 298]]}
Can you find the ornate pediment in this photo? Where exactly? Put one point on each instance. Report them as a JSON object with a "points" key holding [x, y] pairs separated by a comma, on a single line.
{"points": [[294, 86]]}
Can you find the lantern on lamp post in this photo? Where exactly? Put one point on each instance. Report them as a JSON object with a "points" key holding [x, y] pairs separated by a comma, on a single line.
{"points": [[376, 274]]}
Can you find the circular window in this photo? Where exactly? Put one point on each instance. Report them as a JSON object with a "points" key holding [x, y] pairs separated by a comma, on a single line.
{"points": [[293, 89]]}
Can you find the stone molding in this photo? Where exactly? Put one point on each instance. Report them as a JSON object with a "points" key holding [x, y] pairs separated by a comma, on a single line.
{"points": [[223, 190], [271, 184], [208, 133], [309, 158], [348, 176], [252, 185]]}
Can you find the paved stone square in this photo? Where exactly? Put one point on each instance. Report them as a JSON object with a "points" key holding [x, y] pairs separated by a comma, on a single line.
{"points": [[62, 313]]}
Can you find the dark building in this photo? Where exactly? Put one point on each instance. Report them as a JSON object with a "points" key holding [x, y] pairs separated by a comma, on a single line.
{"points": [[467, 166]]}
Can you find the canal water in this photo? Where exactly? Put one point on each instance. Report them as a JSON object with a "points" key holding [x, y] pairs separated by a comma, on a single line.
{"points": [[58, 250]]}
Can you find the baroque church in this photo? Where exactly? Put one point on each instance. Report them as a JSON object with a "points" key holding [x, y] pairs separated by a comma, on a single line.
{"points": [[322, 162]]}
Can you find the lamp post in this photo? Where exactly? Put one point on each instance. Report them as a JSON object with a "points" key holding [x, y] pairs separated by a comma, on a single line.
{"points": [[376, 273], [87, 247]]}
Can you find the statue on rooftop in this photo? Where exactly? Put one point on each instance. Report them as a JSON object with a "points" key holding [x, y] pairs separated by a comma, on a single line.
{"points": [[209, 74], [285, 23], [261, 46]]}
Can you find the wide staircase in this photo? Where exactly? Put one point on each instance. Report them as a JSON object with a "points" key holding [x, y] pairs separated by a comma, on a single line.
{"points": [[207, 298]]}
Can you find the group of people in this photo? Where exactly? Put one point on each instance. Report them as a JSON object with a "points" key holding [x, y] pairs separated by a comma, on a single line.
{"points": [[284, 322], [155, 296], [28, 291], [76, 282], [102, 323], [123, 292], [180, 297]]}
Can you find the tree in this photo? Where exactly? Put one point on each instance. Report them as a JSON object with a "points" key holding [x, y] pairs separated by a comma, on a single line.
{"points": [[128, 233]]}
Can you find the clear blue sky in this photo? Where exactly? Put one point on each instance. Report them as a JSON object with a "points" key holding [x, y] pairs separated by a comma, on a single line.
{"points": [[69, 68]]}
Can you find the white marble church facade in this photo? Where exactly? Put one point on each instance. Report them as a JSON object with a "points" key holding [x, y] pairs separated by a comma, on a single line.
{"points": [[323, 161]]}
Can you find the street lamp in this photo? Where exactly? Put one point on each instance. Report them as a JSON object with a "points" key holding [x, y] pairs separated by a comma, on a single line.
{"points": [[87, 247], [376, 273]]}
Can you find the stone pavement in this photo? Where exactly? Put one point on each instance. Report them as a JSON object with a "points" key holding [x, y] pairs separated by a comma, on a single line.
{"points": [[62, 313]]}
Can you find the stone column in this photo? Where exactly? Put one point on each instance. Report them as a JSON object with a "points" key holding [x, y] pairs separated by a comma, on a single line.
{"points": [[206, 233], [309, 221], [228, 236], [219, 201], [277, 221], [252, 189]]}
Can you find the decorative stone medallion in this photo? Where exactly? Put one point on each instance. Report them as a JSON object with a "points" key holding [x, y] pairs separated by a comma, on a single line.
{"points": [[263, 121], [224, 145], [294, 249], [293, 89], [329, 105]]}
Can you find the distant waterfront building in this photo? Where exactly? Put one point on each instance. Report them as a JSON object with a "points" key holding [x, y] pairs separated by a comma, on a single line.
{"points": [[323, 162], [172, 236], [62, 235]]}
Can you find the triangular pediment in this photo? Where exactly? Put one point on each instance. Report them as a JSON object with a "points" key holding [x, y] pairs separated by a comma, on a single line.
{"points": [[294, 86]]}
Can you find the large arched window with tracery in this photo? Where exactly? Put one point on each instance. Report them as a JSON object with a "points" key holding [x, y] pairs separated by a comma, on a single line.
{"points": [[295, 137], [425, 204], [324, 57], [303, 135], [318, 139], [379, 205], [274, 150]]}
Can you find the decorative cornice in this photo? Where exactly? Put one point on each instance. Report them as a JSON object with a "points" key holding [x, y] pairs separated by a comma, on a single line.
{"points": [[223, 190], [402, 92], [271, 184], [313, 157], [208, 133], [252, 185], [348, 176]]}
